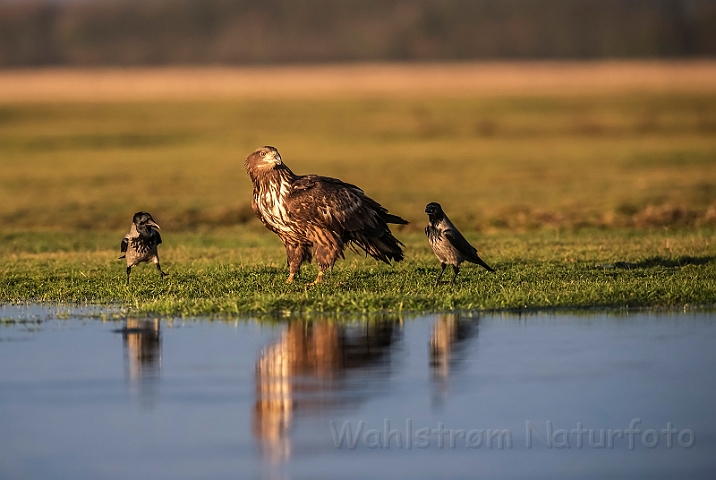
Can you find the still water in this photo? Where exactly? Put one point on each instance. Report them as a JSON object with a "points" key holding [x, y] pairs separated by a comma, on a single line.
{"points": [[448, 396]]}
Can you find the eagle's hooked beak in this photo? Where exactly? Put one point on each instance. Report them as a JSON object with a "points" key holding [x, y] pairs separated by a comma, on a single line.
{"points": [[152, 223], [276, 159]]}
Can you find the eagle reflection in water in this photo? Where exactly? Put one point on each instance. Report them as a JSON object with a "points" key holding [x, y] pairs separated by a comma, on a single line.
{"points": [[314, 366], [142, 355], [448, 340]]}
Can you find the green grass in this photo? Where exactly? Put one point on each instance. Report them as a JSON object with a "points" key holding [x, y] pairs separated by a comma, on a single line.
{"points": [[516, 163], [548, 187], [243, 271]]}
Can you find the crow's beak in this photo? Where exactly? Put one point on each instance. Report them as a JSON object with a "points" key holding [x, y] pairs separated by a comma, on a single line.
{"points": [[152, 223], [427, 210]]}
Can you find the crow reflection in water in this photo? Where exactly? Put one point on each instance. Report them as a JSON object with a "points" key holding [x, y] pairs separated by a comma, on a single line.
{"points": [[143, 354], [448, 342], [311, 369]]}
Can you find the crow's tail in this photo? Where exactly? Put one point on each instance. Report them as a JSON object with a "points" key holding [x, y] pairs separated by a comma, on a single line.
{"points": [[482, 263]]}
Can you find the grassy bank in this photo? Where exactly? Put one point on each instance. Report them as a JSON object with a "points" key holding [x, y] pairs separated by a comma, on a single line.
{"points": [[505, 162], [549, 182], [244, 271]]}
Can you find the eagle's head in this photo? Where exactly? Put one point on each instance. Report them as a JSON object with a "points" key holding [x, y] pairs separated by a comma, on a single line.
{"points": [[434, 211], [263, 159]]}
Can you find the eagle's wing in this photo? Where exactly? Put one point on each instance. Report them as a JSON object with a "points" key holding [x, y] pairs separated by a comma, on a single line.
{"points": [[333, 204], [348, 214]]}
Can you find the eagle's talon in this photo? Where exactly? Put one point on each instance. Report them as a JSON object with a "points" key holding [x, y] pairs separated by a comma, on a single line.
{"points": [[290, 278], [319, 278]]}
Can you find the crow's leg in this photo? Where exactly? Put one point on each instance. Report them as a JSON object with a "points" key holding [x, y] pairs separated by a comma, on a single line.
{"points": [[455, 269], [159, 268], [162, 273], [437, 280], [129, 272]]}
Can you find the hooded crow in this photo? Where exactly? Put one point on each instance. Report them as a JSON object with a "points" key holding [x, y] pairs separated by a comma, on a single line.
{"points": [[447, 242], [140, 244]]}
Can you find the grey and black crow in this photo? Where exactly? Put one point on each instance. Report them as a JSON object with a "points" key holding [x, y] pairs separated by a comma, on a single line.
{"points": [[140, 244], [448, 243]]}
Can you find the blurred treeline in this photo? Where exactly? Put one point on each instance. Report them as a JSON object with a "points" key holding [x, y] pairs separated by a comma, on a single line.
{"points": [[151, 32]]}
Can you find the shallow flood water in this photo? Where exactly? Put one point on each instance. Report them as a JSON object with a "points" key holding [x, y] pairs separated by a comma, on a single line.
{"points": [[450, 396]]}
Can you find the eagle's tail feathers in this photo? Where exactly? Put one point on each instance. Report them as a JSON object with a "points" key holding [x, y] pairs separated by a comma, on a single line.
{"points": [[390, 218], [384, 248]]}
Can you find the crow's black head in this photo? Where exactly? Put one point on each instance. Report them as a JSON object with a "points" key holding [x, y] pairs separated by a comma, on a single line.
{"points": [[144, 221], [434, 211]]}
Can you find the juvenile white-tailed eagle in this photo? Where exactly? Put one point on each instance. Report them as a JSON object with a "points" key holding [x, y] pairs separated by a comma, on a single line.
{"points": [[317, 217]]}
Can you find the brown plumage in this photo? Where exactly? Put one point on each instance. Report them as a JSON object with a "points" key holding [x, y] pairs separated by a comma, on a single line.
{"points": [[317, 217]]}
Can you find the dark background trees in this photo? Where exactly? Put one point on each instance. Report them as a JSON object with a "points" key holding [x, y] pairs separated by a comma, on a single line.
{"points": [[155, 32]]}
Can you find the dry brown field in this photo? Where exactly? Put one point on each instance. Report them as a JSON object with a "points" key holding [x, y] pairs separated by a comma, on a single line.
{"points": [[502, 145], [363, 80]]}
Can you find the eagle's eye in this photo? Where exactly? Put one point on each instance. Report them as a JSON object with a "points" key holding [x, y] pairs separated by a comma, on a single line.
{"points": [[263, 154]]}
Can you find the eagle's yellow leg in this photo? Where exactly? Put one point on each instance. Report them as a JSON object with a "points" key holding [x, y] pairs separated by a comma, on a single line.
{"points": [[290, 278], [319, 278]]}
